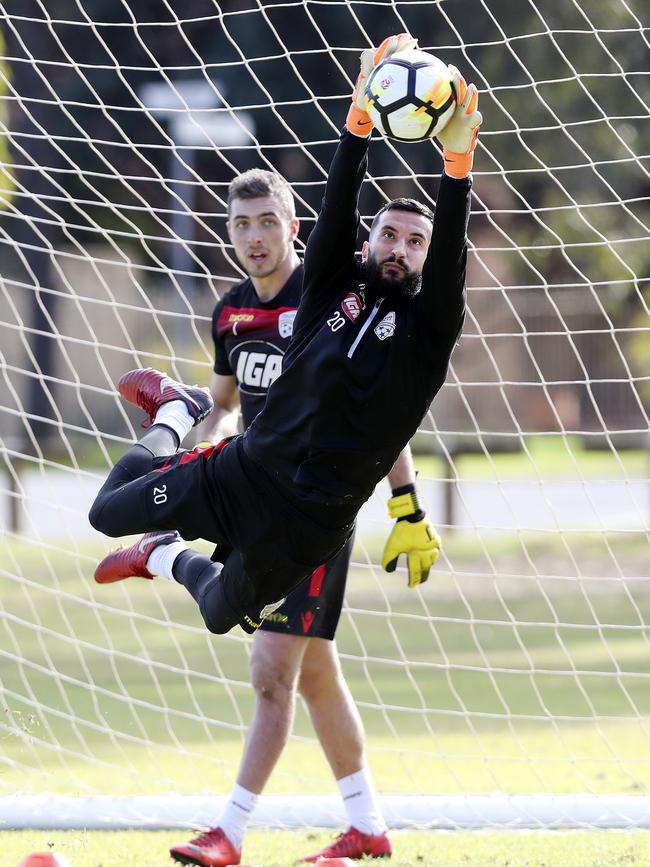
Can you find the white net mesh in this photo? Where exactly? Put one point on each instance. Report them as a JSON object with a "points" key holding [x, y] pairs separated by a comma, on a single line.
{"points": [[522, 665]]}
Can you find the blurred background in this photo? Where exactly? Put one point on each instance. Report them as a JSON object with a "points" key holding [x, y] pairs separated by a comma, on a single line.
{"points": [[124, 127], [522, 665]]}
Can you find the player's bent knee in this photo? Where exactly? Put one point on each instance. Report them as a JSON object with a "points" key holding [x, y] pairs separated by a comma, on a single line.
{"points": [[96, 517], [272, 677], [108, 521], [217, 621], [316, 681], [217, 614]]}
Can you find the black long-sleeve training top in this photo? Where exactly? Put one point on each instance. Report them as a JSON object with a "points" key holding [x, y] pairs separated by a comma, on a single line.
{"points": [[357, 380]]}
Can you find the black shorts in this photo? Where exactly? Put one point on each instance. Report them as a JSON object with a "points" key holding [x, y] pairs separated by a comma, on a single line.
{"points": [[314, 607], [223, 496]]}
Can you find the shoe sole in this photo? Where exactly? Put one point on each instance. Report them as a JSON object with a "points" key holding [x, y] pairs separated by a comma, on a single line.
{"points": [[186, 859]]}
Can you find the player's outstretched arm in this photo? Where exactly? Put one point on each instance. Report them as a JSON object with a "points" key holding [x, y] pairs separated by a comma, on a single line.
{"points": [[336, 227], [445, 268], [358, 120], [331, 247]]}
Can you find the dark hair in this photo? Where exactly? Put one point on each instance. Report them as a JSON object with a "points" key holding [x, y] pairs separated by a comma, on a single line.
{"points": [[256, 183], [404, 204]]}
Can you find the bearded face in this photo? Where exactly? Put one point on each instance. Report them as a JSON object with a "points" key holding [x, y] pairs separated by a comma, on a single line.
{"points": [[390, 278]]}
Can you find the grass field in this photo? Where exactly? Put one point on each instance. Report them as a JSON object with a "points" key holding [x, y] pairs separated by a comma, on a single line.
{"points": [[549, 456], [500, 691], [523, 668], [281, 849]]}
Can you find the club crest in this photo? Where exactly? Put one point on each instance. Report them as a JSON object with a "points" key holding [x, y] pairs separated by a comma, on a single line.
{"points": [[386, 327], [285, 323], [352, 305]]}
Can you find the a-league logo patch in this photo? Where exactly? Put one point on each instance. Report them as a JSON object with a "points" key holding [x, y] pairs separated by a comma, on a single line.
{"points": [[386, 327], [285, 322], [351, 305]]}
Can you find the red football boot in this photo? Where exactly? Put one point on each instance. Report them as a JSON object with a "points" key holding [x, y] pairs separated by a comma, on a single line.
{"points": [[132, 562], [150, 389], [355, 845], [212, 849]]}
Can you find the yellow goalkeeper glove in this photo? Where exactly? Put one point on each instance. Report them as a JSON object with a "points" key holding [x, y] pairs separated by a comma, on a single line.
{"points": [[412, 535], [358, 120], [458, 137]]}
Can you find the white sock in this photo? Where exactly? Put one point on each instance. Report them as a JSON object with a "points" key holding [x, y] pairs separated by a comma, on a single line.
{"points": [[174, 414], [237, 813], [162, 558], [361, 804]]}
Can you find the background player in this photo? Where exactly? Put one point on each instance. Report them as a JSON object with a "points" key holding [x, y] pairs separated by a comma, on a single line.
{"points": [[294, 647]]}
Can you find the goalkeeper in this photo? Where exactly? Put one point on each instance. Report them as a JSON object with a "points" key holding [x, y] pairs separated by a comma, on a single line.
{"points": [[370, 349]]}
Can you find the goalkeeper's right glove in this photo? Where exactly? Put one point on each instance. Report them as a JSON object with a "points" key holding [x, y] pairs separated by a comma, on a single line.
{"points": [[358, 120], [458, 136]]}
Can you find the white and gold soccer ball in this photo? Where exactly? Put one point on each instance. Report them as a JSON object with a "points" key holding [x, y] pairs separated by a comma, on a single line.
{"points": [[409, 96]]}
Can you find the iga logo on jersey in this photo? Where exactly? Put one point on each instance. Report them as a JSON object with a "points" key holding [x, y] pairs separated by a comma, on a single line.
{"points": [[257, 369], [351, 305], [257, 364], [386, 327], [285, 322]]}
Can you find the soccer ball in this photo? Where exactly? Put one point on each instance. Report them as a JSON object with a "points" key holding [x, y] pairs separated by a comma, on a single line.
{"points": [[409, 96]]}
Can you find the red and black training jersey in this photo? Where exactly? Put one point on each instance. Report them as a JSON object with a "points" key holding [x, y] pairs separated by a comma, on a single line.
{"points": [[251, 337], [358, 378]]}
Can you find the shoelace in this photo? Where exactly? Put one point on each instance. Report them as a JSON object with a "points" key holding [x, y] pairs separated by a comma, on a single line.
{"points": [[209, 838], [344, 845]]}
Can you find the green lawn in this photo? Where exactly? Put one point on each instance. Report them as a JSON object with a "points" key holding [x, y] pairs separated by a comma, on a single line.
{"points": [[545, 456], [411, 849], [474, 683]]}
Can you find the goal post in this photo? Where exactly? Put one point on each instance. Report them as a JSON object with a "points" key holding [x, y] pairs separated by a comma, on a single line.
{"points": [[511, 689]]}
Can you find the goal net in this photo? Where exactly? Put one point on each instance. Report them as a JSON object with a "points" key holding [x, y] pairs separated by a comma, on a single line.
{"points": [[514, 687]]}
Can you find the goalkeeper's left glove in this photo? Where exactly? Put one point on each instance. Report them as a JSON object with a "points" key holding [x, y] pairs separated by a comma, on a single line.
{"points": [[358, 120], [458, 137], [412, 535]]}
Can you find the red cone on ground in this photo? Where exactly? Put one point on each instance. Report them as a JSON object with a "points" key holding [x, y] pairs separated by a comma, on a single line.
{"points": [[336, 862], [44, 859]]}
